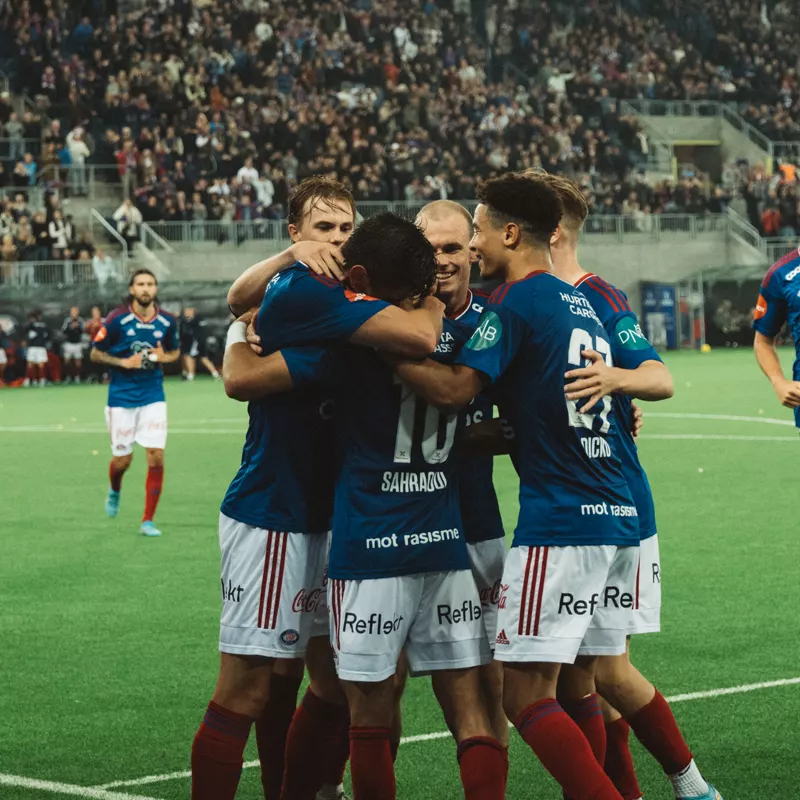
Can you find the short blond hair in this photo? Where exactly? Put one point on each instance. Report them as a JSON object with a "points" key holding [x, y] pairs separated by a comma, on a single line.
{"points": [[441, 209], [576, 209]]}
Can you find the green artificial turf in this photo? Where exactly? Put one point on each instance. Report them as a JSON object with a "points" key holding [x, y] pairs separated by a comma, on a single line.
{"points": [[108, 640]]}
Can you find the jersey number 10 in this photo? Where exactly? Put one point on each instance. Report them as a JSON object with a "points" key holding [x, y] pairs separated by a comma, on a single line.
{"points": [[431, 429], [579, 341]]}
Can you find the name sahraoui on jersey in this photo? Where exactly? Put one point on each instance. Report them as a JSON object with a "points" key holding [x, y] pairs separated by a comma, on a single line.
{"points": [[413, 482]]}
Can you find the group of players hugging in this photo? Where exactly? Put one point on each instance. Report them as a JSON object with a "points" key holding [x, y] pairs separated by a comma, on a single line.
{"points": [[361, 537]]}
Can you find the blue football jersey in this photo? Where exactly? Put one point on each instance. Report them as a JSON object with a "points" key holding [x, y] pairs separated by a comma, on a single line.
{"points": [[572, 488], [480, 511], [286, 478], [124, 334], [301, 307], [629, 349], [779, 303]]}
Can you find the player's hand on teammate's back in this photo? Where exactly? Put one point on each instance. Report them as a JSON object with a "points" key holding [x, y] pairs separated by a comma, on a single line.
{"points": [[788, 392], [253, 339], [594, 382], [132, 362], [637, 420], [321, 257]]}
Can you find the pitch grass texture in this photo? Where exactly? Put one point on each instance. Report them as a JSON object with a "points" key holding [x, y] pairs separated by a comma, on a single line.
{"points": [[108, 640]]}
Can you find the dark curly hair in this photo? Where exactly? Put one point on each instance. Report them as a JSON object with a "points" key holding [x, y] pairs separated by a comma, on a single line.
{"points": [[532, 204], [399, 260]]}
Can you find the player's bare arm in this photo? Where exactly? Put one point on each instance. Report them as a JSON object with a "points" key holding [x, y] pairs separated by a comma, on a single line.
{"points": [[247, 291], [767, 356], [131, 362], [448, 388], [411, 334], [492, 437], [649, 381]]}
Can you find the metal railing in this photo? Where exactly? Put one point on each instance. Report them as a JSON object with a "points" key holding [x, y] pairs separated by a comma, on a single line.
{"points": [[99, 183], [50, 273], [653, 227], [99, 224], [219, 232], [775, 249], [714, 108]]}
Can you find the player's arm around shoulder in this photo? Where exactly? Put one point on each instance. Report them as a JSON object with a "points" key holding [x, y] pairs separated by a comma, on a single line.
{"points": [[448, 388], [410, 334], [246, 375]]}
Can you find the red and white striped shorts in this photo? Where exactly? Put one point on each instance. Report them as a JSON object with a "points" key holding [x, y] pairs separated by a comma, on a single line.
{"points": [[560, 602], [274, 590]]}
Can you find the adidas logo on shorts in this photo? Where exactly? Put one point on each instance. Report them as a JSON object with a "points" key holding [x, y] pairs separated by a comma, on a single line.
{"points": [[502, 638]]}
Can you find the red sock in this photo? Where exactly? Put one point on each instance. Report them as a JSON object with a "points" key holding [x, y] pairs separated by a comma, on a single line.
{"points": [[371, 764], [272, 728], [619, 762], [483, 768], [152, 488], [589, 718], [115, 477], [505, 761], [311, 736], [338, 756], [564, 751], [217, 754], [394, 746], [655, 727]]}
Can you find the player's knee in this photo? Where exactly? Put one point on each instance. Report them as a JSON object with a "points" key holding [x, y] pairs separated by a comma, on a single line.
{"points": [[155, 458], [613, 679], [121, 463]]}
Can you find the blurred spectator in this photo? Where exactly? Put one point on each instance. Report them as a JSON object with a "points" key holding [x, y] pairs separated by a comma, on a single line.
{"points": [[104, 268], [14, 130], [78, 153], [72, 331], [61, 235], [37, 341], [129, 220]]}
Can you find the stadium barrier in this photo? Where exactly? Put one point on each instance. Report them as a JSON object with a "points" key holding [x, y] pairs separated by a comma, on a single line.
{"points": [[46, 273]]}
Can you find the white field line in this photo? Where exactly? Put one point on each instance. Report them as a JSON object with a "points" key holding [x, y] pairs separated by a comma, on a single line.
{"points": [[719, 437], [427, 737], [54, 787], [723, 417]]}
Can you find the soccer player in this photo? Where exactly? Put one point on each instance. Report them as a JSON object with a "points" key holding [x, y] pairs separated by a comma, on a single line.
{"points": [[321, 217], [448, 227], [72, 330], [399, 566], [278, 509], [37, 340], [193, 346], [570, 575], [135, 340], [779, 302], [637, 372]]}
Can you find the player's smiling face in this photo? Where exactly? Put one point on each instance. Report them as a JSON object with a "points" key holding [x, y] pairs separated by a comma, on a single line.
{"points": [[487, 243], [450, 237], [324, 222]]}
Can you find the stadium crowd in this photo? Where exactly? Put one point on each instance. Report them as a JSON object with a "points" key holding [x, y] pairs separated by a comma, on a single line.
{"points": [[214, 111]]}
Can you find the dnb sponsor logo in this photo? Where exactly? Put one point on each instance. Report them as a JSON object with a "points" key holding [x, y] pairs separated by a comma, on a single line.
{"points": [[612, 596], [307, 602]]}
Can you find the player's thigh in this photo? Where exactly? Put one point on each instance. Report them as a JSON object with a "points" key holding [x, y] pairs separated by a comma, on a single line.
{"points": [[270, 581], [491, 678], [369, 624], [322, 671], [552, 596], [447, 631], [121, 424], [487, 560], [290, 668], [647, 600], [243, 683], [371, 703], [613, 615], [151, 426], [462, 702]]}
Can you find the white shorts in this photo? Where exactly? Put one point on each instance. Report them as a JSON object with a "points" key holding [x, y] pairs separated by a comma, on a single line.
{"points": [[488, 559], [273, 590], [647, 600], [37, 355], [436, 618], [145, 425], [73, 351], [3, 357], [560, 602]]}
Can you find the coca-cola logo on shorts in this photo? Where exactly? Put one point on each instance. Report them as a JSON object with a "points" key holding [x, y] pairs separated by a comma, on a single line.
{"points": [[308, 602]]}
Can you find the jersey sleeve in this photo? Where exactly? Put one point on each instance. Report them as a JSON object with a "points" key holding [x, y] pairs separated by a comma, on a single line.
{"points": [[107, 336], [316, 309], [629, 346], [772, 309], [496, 341], [307, 364]]}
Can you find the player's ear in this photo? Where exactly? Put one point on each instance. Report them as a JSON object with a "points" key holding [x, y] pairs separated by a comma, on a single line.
{"points": [[358, 278], [294, 232], [558, 234], [512, 234]]}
